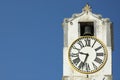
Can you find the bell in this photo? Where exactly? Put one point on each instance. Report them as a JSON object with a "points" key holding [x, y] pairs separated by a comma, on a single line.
{"points": [[87, 31]]}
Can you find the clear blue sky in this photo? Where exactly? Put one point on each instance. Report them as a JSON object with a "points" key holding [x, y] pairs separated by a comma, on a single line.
{"points": [[31, 36]]}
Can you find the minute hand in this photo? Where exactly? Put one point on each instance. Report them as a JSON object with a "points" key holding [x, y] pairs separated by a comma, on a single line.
{"points": [[85, 59]]}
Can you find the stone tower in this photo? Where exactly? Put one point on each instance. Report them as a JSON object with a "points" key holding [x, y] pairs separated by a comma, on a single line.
{"points": [[91, 25]]}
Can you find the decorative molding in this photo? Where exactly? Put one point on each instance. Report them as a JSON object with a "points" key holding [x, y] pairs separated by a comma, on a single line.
{"points": [[86, 10]]}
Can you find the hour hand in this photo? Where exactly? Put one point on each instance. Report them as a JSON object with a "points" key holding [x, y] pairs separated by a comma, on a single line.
{"points": [[83, 53]]}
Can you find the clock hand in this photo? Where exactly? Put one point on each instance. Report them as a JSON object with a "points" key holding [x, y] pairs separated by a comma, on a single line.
{"points": [[83, 53], [85, 59]]}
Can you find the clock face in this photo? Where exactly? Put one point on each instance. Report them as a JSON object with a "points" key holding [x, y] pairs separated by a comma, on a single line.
{"points": [[87, 54]]}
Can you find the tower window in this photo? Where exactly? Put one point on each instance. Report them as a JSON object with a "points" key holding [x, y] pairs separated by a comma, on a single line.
{"points": [[86, 28]]}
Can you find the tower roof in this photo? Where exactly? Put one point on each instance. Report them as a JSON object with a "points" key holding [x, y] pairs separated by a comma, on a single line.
{"points": [[86, 15]]}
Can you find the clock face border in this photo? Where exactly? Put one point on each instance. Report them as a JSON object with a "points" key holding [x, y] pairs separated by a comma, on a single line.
{"points": [[100, 67]]}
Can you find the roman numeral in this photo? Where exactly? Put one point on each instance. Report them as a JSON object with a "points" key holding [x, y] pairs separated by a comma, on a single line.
{"points": [[94, 43], [95, 67], [81, 65], [76, 61], [75, 48], [98, 60], [87, 67], [98, 48], [74, 55], [81, 44], [87, 41], [99, 54]]}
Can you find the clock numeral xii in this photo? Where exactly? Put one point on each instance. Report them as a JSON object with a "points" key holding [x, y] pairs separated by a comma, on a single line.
{"points": [[87, 41]]}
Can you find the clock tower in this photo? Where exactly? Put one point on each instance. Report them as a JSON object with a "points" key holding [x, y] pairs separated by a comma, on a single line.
{"points": [[88, 45]]}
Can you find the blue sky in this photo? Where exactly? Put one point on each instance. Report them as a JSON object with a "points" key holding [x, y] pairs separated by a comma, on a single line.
{"points": [[31, 36]]}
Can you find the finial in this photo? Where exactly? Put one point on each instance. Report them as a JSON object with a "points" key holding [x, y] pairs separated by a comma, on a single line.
{"points": [[87, 8]]}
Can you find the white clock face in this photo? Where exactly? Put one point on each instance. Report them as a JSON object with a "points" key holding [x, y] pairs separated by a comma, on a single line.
{"points": [[87, 54]]}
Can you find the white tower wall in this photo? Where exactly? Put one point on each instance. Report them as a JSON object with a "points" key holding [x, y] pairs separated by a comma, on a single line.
{"points": [[102, 30]]}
